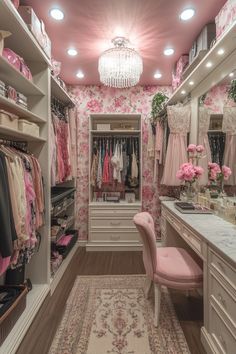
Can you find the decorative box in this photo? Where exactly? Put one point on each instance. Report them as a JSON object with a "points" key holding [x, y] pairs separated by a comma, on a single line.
{"points": [[8, 120], [37, 27], [103, 126], [28, 127], [225, 17], [22, 100], [180, 66]]}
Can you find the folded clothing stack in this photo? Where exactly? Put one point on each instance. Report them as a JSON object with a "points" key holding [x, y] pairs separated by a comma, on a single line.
{"points": [[66, 242], [2, 89], [22, 100]]}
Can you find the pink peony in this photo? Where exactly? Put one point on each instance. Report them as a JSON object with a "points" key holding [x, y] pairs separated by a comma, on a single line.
{"points": [[226, 172], [200, 148], [198, 171], [191, 148]]}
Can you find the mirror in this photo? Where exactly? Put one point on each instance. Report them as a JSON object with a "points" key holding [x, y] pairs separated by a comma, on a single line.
{"points": [[217, 130]]}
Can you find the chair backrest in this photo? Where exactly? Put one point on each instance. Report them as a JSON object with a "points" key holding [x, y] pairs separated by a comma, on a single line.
{"points": [[145, 225]]}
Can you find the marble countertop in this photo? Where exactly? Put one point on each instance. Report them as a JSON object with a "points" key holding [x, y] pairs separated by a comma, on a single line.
{"points": [[216, 231]]}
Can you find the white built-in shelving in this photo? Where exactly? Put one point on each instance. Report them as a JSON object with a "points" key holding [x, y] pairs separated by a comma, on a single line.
{"points": [[38, 93], [60, 93], [201, 72]]}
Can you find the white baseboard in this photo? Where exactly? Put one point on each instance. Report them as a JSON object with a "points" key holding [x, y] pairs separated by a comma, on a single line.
{"points": [[99, 246]]}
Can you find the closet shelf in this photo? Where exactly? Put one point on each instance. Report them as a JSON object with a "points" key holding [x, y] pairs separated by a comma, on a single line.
{"points": [[63, 209], [13, 77], [63, 230], [59, 93], [100, 132], [17, 135], [12, 107], [22, 40], [34, 301], [55, 279], [201, 72]]}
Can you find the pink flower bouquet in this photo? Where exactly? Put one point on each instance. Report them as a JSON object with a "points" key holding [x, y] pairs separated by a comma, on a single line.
{"points": [[215, 173], [189, 173]]}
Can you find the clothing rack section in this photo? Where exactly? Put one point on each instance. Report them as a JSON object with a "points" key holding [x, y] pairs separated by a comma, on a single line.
{"points": [[63, 143], [115, 166], [217, 146], [21, 208], [63, 236]]}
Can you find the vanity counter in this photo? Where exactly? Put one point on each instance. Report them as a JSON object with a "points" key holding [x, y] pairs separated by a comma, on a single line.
{"points": [[217, 232]]}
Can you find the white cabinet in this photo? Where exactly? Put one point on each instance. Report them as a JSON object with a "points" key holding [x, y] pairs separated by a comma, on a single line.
{"points": [[111, 224]]}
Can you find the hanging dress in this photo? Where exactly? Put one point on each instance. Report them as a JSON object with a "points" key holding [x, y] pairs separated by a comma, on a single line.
{"points": [[99, 171], [176, 155], [203, 127], [229, 128]]}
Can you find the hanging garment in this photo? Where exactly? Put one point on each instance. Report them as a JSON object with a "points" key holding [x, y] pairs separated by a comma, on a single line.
{"points": [[99, 171], [115, 163], [94, 168], [203, 127], [151, 142], [179, 123], [73, 135], [106, 172], [53, 155], [229, 128]]}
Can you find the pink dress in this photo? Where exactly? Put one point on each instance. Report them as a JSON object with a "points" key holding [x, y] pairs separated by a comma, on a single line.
{"points": [[179, 124], [229, 128], [204, 122]]}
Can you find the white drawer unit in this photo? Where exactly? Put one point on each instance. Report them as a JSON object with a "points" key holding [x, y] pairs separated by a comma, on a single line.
{"points": [[112, 225], [223, 337]]}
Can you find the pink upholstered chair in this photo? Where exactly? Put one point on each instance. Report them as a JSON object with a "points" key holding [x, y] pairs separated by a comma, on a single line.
{"points": [[169, 266]]}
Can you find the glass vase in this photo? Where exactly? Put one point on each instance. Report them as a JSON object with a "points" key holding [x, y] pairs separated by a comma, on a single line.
{"points": [[190, 192]]}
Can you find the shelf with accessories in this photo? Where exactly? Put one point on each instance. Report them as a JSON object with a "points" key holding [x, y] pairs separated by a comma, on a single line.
{"points": [[201, 72], [60, 93]]}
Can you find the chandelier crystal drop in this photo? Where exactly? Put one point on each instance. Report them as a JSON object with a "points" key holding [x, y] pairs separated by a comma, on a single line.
{"points": [[120, 66]]}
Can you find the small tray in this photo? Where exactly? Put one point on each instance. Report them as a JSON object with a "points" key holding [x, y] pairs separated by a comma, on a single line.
{"points": [[197, 210]]}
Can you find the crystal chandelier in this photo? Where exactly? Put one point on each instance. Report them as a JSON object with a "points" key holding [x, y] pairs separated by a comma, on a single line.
{"points": [[120, 66]]}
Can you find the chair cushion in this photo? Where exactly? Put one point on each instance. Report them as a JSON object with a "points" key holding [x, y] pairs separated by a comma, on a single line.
{"points": [[175, 264]]}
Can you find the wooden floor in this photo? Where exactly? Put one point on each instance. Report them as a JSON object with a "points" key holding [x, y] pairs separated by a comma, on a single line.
{"points": [[38, 339]]}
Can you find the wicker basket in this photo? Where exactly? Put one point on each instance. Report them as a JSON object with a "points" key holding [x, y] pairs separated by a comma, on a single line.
{"points": [[9, 318]]}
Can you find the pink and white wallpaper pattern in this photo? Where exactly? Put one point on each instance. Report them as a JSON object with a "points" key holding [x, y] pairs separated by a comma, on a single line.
{"points": [[217, 98], [100, 99]]}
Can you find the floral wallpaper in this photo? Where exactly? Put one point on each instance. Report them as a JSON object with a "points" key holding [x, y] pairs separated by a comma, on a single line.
{"points": [[217, 98], [100, 99]]}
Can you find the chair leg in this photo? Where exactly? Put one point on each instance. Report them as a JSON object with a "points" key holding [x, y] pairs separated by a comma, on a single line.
{"points": [[157, 291], [147, 289]]}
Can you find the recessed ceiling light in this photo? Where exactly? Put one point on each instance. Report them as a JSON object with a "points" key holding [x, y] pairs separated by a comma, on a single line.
{"points": [[57, 14], [157, 75], [187, 14], [72, 52], [221, 51], [183, 92], [231, 74], [169, 51], [80, 74], [209, 64], [191, 83]]}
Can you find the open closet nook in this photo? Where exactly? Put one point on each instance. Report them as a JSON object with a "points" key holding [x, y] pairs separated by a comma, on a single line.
{"points": [[117, 177]]}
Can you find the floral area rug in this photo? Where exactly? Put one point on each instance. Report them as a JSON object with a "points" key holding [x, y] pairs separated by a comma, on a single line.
{"points": [[110, 315]]}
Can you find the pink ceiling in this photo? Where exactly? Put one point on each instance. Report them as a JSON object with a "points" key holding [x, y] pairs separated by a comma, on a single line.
{"points": [[151, 25]]}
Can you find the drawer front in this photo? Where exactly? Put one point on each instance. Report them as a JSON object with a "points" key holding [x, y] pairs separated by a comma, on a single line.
{"points": [[223, 298], [223, 268], [112, 223], [192, 240], [113, 236], [175, 223], [111, 212], [220, 333]]}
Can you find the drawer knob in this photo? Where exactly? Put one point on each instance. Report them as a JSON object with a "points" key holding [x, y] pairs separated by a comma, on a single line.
{"points": [[222, 300], [115, 223]]}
